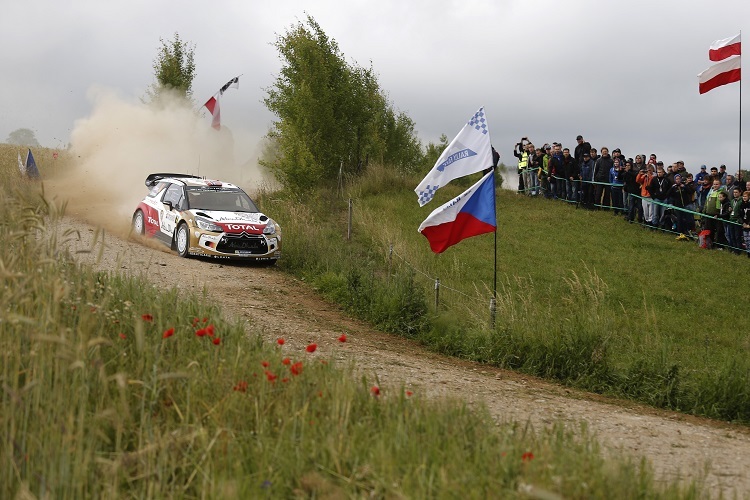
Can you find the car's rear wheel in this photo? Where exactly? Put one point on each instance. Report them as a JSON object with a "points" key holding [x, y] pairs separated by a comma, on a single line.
{"points": [[182, 240], [138, 223]]}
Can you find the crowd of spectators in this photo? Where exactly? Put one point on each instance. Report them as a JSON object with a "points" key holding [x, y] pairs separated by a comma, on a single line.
{"points": [[712, 205]]}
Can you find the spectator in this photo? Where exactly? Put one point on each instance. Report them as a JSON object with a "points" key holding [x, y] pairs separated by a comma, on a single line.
{"points": [[545, 175], [580, 150], [522, 153], [556, 173], [723, 173], [725, 210], [530, 179], [745, 219], [631, 189], [700, 175], [652, 159], [729, 184], [733, 229], [615, 178], [571, 173], [644, 180], [537, 165], [602, 166], [587, 176], [691, 206], [680, 196], [712, 210], [700, 198], [659, 188]]}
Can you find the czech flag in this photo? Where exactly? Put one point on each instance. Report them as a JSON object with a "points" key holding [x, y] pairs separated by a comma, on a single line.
{"points": [[469, 214]]}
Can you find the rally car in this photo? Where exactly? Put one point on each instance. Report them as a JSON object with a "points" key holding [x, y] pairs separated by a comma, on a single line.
{"points": [[202, 217]]}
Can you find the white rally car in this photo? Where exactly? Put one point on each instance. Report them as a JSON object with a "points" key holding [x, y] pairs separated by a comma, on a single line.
{"points": [[203, 217]]}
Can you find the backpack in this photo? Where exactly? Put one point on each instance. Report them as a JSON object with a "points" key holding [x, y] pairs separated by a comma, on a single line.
{"points": [[704, 239]]}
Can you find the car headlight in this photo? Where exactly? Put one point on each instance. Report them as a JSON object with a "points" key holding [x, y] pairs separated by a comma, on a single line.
{"points": [[270, 227], [207, 225]]}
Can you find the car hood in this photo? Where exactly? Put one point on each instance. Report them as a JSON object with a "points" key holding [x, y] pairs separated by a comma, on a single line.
{"points": [[235, 222]]}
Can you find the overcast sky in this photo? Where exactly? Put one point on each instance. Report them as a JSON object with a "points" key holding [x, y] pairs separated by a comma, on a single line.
{"points": [[622, 73]]}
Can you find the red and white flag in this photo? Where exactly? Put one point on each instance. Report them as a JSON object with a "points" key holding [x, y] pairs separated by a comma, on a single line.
{"points": [[721, 73], [722, 49], [213, 106]]}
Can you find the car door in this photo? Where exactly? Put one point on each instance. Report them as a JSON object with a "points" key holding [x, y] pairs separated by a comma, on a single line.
{"points": [[168, 216]]}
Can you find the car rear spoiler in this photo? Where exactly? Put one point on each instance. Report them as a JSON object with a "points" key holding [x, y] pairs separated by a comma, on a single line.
{"points": [[152, 179]]}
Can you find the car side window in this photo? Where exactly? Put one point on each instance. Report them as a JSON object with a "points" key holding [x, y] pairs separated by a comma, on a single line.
{"points": [[175, 195]]}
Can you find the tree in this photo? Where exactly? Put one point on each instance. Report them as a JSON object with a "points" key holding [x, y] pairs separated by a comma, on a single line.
{"points": [[23, 137], [174, 70], [330, 113]]}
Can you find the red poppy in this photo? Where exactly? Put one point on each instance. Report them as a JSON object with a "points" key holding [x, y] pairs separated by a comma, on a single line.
{"points": [[147, 317], [195, 321], [375, 390], [527, 457], [280, 341], [285, 380], [201, 332], [409, 393], [323, 361], [342, 338], [320, 394], [311, 347], [241, 386], [270, 376], [168, 333], [265, 364], [123, 336], [296, 368], [205, 320], [286, 361], [210, 330], [216, 341]]}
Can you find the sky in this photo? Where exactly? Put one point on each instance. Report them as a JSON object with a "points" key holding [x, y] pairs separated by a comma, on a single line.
{"points": [[622, 74]]}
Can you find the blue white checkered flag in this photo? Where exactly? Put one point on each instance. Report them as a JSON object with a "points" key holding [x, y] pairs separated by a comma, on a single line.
{"points": [[469, 152]]}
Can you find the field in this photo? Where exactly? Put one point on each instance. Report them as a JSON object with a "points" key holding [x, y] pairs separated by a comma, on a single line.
{"points": [[113, 387]]}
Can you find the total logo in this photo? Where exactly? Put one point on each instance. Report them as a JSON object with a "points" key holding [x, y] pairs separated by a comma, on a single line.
{"points": [[152, 221], [241, 227]]}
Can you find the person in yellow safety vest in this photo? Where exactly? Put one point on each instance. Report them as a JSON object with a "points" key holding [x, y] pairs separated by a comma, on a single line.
{"points": [[521, 152]]}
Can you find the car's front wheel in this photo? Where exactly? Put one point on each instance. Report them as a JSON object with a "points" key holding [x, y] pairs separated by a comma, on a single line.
{"points": [[138, 224], [182, 240]]}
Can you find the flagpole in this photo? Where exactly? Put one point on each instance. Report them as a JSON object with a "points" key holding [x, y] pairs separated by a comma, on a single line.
{"points": [[739, 149], [493, 305]]}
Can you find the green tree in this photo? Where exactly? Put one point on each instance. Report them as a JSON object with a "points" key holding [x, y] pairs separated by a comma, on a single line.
{"points": [[433, 152], [331, 114], [22, 137], [174, 70]]}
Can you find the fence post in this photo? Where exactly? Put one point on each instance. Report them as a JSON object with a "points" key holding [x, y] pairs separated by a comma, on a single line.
{"points": [[493, 310], [349, 224], [437, 293]]}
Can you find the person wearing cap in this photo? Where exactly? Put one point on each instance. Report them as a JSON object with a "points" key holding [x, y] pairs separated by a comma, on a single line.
{"points": [[680, 195], [723, 174], [582, 148], [521, 152], [700, 175]]}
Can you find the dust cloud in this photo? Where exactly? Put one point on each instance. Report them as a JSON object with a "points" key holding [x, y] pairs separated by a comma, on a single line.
{"points": [[120, 143]]}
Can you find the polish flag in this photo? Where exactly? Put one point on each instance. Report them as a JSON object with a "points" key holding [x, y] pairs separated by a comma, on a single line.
{"points": [[721, 73], [213, 106], [728, 47]]}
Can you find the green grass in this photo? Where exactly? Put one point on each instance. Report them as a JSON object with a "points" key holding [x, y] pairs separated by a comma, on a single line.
{"points": [[108, 390], [583, 297]]}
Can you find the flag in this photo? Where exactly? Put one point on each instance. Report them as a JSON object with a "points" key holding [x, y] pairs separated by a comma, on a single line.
{"points": [[470, 151], [469, 214], [721, 73], [213, 106], [21, 166], [234, 83], [722, 49], [31, 171]]}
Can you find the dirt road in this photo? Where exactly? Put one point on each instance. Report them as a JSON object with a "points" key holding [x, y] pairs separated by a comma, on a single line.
{"points": [[677, 445]]}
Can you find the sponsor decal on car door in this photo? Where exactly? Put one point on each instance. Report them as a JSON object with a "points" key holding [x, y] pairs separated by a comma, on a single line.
{"points": [[167, 221]]}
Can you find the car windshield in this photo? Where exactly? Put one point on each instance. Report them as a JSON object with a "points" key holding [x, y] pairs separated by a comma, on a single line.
{"points": [[227, 200]]}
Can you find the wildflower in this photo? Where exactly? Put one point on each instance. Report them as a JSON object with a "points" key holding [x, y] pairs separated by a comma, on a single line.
{"points": [[320, 394], [323, 362], [210, 330], [216, 341], [270, 376], [286, 361], [147, 317], [285, 380], [195, 321], [205, 320], [280, 341], [296, 368], [241, 386], [409, 393], [201, 332], [375, 390], [527, 457], [168, 333], [123, 336], [311, 347], [265, 364], [342, 338]]}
